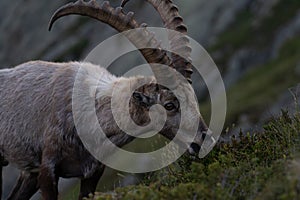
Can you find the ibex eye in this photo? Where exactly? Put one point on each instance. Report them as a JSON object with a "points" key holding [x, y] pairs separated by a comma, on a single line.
{"points": [[137, 96], [169, 106]]}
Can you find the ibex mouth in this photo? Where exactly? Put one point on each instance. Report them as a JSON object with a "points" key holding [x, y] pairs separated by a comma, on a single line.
{"points": [[206, 144], [194, 149]]}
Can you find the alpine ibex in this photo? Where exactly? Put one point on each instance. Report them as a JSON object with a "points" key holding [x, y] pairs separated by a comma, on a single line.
{"points": [[38, 133]]}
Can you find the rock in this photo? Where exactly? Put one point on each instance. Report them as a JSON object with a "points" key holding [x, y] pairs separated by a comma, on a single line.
{"points": [[287, 31]]}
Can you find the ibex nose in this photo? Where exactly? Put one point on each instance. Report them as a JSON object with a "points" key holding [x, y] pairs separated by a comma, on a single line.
{"points": [[195, 147]]}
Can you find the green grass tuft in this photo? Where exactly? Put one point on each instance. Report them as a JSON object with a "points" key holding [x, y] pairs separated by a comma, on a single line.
{"points": [[255, 166]]}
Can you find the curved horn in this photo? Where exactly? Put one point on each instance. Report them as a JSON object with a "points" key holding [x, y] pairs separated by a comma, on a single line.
{"points": [[178, 43], [121, 22]]}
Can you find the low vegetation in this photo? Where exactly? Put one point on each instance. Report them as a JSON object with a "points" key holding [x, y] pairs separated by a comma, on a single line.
{"points": [[262, 165]]}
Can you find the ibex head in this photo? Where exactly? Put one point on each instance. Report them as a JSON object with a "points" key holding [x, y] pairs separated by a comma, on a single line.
{"points": [[154, 93]]}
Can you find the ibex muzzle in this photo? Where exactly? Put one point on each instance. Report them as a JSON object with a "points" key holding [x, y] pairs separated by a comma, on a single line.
{"points": [[38, 133]]}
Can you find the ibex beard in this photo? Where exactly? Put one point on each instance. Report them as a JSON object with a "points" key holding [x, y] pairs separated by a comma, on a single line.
{"points": [[38, 134]]}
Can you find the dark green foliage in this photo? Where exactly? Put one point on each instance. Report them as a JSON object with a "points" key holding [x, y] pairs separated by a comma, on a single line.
{"points": [[247, 32], [252, 166]]}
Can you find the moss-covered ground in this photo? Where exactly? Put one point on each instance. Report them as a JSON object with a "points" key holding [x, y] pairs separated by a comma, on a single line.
{"points": [[264, 165]]}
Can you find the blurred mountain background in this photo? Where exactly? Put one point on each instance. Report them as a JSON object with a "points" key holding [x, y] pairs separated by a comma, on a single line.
{"points": [[255, 44]]}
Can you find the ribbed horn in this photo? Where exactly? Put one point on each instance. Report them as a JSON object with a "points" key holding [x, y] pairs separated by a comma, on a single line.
{"points": [[116, 18], [178, 43]]}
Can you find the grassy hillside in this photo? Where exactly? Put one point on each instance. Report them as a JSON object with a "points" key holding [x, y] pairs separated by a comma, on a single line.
{"points": [[262, 165]]}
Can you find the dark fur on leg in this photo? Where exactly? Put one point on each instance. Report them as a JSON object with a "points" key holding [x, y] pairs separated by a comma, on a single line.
{"points": [[3, 163], [48, 179], [48, 183], [88, 185], [1, 182], [26, 187]]}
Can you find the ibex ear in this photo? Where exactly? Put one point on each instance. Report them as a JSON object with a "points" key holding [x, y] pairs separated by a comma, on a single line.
{"points": [[141, 98]]}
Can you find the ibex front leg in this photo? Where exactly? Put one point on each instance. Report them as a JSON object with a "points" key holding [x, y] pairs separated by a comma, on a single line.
{"points": [[26, 187], [88, 185], [3, 163], [48, 180]]}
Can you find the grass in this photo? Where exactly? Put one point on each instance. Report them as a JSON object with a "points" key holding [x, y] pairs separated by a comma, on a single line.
{"points": [[245, 33], [253, 95], [257, 166], [262, 85], [238, 34]]}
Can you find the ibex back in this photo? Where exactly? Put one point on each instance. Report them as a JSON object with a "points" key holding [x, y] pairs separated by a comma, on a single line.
{"points": [[38, 133]]}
